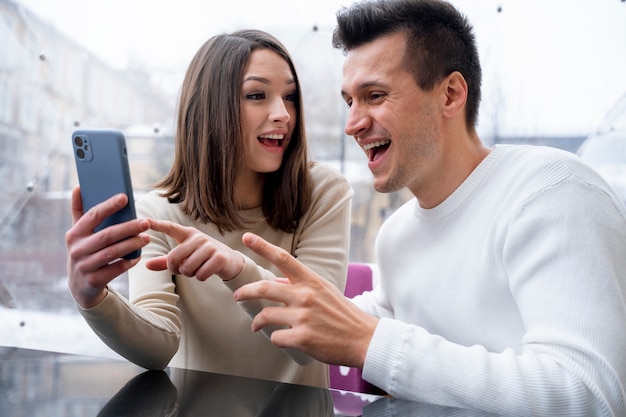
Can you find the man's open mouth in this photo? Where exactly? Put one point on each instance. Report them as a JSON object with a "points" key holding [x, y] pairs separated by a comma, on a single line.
{"points": [[376, 149]]}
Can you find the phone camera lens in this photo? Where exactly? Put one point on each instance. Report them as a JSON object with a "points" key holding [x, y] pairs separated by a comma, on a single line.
{"points": [[78, 141], [80, 153]]}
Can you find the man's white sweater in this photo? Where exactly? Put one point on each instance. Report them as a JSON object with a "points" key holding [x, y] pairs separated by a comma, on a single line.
{"points": [[508, 297]]}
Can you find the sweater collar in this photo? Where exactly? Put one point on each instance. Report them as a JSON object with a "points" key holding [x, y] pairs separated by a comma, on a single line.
{"points": [[463, 191]]}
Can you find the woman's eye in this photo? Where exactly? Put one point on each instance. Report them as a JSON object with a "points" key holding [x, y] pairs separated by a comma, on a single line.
{"points": [[291, 97], [255, 96]]}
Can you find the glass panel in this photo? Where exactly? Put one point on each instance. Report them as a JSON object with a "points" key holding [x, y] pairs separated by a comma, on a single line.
{"points": [[71, 64]]}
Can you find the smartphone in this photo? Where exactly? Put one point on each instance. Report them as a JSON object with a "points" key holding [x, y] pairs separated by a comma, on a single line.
{"points": [[102, 167]]}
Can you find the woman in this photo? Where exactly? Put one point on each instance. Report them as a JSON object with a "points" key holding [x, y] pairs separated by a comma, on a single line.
{"points": [[240, 165]]}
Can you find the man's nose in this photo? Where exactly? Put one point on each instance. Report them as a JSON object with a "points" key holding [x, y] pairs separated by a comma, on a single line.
{"points": [[357, 121]]}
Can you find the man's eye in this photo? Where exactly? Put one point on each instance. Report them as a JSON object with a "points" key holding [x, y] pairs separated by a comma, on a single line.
{"points": [[255, 96], [376, 96]]}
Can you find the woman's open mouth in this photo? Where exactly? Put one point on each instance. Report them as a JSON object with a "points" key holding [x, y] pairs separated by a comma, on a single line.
{"points": [[272, 141]]}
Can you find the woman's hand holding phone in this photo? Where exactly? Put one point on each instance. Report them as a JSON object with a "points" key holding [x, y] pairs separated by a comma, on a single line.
{"points": [[95, 258]]}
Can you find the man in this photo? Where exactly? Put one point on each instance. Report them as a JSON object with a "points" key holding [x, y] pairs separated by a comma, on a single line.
{"points": [[502, 282]]}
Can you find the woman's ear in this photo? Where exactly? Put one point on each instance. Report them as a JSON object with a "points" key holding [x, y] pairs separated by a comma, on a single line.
{"points": [[455, 95]]}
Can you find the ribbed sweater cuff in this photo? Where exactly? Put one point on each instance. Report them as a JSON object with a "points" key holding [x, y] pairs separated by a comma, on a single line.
{"points": [[381, 361]]}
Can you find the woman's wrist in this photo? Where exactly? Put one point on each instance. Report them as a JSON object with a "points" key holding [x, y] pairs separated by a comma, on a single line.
{"points": [[234, 268]]}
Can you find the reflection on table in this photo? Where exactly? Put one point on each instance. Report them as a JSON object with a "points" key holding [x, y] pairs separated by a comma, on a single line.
{"points": [[37, 383]]}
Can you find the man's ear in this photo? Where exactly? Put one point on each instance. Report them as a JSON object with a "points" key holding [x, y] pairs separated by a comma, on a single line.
{"points": [[455, 94]]}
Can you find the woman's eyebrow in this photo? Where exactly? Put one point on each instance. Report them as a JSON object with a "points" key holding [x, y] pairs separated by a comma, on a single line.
{"points": [[265, 80]]}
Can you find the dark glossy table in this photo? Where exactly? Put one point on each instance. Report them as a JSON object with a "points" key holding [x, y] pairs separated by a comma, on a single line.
{"points": [[37, 383]]}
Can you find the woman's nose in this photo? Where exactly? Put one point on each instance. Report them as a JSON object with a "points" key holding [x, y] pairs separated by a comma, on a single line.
{"points": [[279, 112]]}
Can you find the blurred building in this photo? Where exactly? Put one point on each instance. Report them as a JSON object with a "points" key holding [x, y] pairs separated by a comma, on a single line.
{"points": [[49, 86]]}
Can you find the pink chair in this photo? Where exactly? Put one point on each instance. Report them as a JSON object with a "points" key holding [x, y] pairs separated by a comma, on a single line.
{"points": [[359, 280]]}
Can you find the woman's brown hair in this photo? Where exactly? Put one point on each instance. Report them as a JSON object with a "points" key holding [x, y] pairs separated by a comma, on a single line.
{"points": [[209, 144]]}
